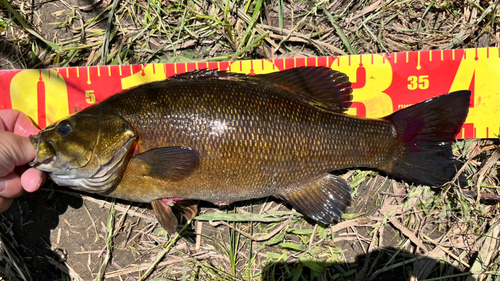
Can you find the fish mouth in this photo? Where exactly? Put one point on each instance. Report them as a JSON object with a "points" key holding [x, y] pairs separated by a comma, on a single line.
{"points": [[45, 153], [35, 142]]}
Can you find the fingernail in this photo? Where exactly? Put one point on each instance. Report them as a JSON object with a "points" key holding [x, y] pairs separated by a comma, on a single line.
{"points": [[3, 185]]}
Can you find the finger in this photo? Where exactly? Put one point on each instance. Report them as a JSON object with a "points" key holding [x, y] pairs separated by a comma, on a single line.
{"points": [[14, 151], [10, 186], [17, 122], [5, 203], [32, 179]]}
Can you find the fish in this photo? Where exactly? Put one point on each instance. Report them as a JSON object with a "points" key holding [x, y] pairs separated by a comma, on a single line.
{"points": [[222, 137]]}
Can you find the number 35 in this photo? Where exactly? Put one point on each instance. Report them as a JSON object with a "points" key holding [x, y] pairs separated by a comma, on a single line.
{"points": [[418, 82]]}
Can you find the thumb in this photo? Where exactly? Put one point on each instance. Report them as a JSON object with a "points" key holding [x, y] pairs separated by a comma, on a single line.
{"points": [[15, 151], [15, 121]]}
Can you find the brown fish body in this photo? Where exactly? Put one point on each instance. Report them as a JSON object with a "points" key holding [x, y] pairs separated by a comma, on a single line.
{"points": [[221, 137], [251, 144]]}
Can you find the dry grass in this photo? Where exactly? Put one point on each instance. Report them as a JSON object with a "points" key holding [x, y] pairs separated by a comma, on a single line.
{"points": [[392, 229]]}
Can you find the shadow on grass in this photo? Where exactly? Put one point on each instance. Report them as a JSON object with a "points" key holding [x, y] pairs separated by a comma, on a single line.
{"points": [[26, 228], [15, 57], [382, 265]]}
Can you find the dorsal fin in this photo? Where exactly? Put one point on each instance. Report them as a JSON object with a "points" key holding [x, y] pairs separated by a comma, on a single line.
{"points": [[202, 74], [320, 86]]}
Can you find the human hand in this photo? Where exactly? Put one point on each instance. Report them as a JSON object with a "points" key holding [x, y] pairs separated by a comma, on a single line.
{"points": [[16, 151]]}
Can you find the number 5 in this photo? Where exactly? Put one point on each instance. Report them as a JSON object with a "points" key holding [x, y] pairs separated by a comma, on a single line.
{"points": [[90, 98], [423, 82], [418, 82]]}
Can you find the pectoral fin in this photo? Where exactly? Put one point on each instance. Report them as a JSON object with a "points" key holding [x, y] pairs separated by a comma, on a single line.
{"points": [[323, 200], [169, 163]]}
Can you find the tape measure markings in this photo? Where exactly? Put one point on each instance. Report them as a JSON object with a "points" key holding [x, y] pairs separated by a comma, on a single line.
{"points": [[377, 86]]}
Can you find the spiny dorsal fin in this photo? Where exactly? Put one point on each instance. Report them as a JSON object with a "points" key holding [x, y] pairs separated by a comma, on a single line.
{"points": [[204, 74], [322, 200], [320, 86]]}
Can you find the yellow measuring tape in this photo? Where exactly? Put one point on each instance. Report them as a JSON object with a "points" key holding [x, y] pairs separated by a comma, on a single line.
{"points": [[382, 83]]}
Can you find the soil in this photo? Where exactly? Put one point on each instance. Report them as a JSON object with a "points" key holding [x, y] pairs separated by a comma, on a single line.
{"points": [[60, 231]]}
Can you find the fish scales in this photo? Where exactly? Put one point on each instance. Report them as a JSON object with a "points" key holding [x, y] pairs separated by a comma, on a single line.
{"points": [[223, 137], [261, 145]]}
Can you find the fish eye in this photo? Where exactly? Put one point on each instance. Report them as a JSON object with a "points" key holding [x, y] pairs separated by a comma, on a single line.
{"points": [[64, 127]]}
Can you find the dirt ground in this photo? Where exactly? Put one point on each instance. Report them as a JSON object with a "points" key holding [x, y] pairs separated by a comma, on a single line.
{"points": [[59, 234]]}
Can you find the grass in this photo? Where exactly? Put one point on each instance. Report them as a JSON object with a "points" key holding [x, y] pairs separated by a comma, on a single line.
{"points": [[392, 229]]}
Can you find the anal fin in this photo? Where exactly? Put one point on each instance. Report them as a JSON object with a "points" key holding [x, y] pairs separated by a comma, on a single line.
{"points": [[323, 200]]}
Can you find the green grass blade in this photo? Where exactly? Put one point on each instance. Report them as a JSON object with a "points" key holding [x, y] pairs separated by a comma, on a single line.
{"points": [[25, 25], [341, 34], [271, 217]]}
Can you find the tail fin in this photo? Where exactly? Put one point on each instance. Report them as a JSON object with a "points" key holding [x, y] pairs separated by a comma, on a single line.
{"points": [[425, 132]]}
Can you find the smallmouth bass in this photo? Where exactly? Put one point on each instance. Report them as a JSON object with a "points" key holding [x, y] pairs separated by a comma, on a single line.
{"points": [[224, 137]]}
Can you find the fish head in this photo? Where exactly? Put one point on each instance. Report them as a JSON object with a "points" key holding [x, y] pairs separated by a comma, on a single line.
{"points": [[85, 151]]}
